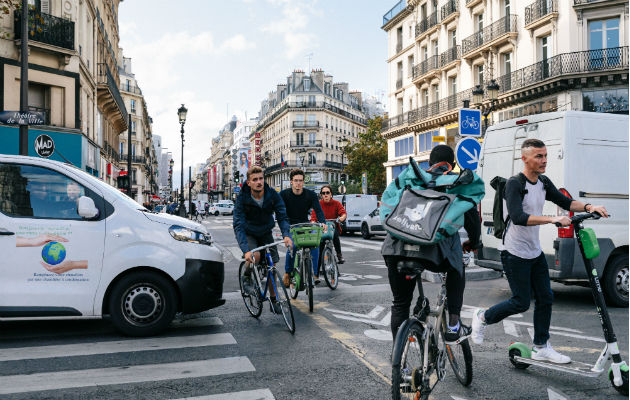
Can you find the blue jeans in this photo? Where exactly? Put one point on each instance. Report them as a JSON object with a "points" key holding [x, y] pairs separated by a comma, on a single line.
{"points": [[526, 277], [288, 265]]}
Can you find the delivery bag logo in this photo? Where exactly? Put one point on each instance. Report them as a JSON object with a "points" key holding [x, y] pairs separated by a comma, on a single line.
{"points": [[44, 146]]}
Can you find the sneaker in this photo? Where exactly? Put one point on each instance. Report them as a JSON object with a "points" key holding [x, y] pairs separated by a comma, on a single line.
{"points": [[246, 282], [478, 326], [547, 353], [286, 280], [316, 280], [452, 335], [340, 259], [275, 307]]}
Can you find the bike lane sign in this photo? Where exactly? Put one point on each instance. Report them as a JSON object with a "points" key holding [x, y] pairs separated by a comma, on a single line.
{"points": [[469, 122], [467, 153]]}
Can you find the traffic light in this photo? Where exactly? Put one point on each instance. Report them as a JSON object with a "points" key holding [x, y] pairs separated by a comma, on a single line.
{"points": [[123, 182], [236, 178], [343, 179]]}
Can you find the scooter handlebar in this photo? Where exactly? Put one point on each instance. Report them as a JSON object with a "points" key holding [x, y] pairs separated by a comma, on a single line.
{"points": [[576, 219]]}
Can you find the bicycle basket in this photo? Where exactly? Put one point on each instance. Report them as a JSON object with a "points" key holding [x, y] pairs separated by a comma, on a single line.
{"points": [[306, 236], [331, 231]]}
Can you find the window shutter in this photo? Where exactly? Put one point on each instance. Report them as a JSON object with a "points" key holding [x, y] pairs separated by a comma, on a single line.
{"points": [[45, 4]]}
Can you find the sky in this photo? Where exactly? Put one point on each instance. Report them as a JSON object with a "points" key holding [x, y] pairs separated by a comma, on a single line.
{"points": [[222, 58]]}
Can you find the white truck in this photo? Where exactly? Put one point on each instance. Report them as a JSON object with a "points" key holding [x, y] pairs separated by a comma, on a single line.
{"points": [[588, 161], [357, 206]]}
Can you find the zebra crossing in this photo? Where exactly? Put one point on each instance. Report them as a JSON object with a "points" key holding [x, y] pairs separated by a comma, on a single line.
{"points": [[15, 380]]}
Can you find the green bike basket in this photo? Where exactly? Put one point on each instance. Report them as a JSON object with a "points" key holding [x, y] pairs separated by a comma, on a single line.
{"points": [[306, 236], [589, 243]]}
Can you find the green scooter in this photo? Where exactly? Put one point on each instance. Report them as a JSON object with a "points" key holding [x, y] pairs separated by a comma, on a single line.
{"points": [[520, 354]]}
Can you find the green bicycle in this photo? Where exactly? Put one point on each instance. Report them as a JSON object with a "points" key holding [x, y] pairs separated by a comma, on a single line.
{"points": [[305, 237]]}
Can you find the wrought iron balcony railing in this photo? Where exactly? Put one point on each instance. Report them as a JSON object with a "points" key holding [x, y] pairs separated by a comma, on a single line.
{"points": [[306, 124], [539, 9], [105, 77], [450, 55], [427, 23], [46, 28], [134, 158], [426, 66], [131, 89], [451, 7], [306, 143], [497, 29], [401, 5]]}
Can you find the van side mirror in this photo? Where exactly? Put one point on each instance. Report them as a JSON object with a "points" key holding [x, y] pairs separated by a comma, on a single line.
{"points": [[86, 208]]}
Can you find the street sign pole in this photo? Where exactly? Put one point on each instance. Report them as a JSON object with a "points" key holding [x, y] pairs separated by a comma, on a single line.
{"points": [[129, 158], [24, 78]]}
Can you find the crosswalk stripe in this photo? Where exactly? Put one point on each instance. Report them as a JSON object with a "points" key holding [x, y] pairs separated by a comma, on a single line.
{"points": [[261, 394], [360, 244], [123, 375], [117, 346]]}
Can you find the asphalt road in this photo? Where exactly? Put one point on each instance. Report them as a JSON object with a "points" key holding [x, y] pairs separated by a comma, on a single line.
{"points": [[340, 351]]}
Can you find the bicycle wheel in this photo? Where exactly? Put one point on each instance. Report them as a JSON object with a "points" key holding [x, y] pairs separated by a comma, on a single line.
{"points": [[308, 276], [330, 268], [459, 356], [285, 304], [407, 362], [252, 299], [296, 278]]}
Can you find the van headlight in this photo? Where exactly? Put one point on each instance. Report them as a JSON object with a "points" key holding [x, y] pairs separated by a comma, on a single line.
{"points": [[189, 235]]}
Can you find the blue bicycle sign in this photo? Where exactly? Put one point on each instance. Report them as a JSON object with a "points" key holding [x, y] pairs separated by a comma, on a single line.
{"points": [[469, 122]]}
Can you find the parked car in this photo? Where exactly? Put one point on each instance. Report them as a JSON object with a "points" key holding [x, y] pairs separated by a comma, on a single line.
{"points": [[86, 250], [357, 206], [372, 225], [221, 208], [588, 161]]}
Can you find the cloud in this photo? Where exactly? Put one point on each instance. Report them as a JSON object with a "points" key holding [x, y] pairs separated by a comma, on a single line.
{"points": [[292, 26]]}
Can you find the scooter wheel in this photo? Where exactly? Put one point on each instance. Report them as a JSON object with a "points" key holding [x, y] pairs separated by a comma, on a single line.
{"points": [[518, 365], [623, 389]]}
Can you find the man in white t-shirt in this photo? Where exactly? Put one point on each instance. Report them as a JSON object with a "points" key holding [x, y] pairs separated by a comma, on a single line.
{"points": [[523, 261]]}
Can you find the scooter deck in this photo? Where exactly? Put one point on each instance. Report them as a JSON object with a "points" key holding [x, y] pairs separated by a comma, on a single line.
{"points": [[574, 367]]}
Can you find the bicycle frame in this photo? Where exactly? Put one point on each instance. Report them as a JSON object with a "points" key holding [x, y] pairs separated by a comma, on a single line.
{"points": [[270, 268]]}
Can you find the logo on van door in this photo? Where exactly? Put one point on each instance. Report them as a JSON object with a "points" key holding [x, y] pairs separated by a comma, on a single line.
{"points": [[44, 146]]}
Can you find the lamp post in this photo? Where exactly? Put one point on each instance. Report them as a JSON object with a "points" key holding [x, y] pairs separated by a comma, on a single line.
{"points": [[493, 94], [181, 112], [170, 177], [343, 142]]}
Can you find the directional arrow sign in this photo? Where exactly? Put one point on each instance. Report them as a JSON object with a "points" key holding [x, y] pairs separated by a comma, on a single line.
{"points": [[467, 153]]}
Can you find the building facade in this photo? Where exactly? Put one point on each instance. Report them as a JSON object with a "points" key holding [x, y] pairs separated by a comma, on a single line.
{"points": [[144, 160], [545, 55], [307, 123], [73, 80]]}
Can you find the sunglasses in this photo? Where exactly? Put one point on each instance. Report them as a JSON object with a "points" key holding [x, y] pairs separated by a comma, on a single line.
{"points": [[325, 193]]}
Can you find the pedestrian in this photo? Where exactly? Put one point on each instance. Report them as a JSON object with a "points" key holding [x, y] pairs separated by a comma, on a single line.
{"points": [[524, 263]]}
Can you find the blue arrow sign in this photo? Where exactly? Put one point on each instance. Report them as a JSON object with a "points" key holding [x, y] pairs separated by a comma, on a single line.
{"points": [[469, 122], [467, 153]]}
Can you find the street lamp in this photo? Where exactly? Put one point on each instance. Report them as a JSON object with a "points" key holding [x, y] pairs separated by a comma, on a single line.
{"points": [[181, 112], [343, 143], [493, 94], [170, 178]]}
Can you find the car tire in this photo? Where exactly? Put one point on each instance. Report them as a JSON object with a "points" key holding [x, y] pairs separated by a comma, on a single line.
{"points": [[365, 231], [216, 213], [142, 304], [615, 281]]}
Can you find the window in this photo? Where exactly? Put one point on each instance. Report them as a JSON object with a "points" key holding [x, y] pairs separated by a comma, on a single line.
{"points": [[507, 70], [436, 93], [307, 84], [311, 138], [299, 139], [133, 106], [453, 36], [479, 77], [604, 34], [479, 19], [403, 147], [424, 52], [29, 191], [133, 127], [506, 8], [133, 149], [425, 141], [410, 65], [39, 99], [312, 158], [608, 100], [453, 85], [122, 148], [545, 53], [425, 95], [434, 44]]}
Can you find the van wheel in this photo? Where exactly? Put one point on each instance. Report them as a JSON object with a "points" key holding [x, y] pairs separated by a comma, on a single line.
{"points": [[142, 304], [615, 281], [365, 232]]}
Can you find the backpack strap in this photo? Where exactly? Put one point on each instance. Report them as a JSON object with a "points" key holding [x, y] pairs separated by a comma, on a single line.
{"points": [[546, 181], [397, 183], [522, 179], [468, 199]]}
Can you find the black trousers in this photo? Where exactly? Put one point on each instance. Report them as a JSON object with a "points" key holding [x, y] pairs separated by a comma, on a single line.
{"points": [[336, 241], [402, 291]]}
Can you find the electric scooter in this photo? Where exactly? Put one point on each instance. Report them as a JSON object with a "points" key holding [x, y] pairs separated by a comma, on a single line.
{"points": [[520, 354]]}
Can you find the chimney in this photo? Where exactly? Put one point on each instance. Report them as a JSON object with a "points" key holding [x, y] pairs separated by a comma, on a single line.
{"points": [[317, 75]]}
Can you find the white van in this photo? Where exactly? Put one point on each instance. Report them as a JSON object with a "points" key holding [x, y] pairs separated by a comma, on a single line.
{"points": [[588, 160], [75, 247], [357, 206]]}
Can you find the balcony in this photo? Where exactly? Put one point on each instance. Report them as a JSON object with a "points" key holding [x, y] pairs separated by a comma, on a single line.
{"points": [[540, 12], [109, 98], [131, 89], [394, 11], [423, 69], [499, 31], [424, 27], [305, 124], [450, 57], [472, 3], [134, 158], [306, 144], [110, 152], [449, 11], [46, 28], [566, 65], [597, 2]]}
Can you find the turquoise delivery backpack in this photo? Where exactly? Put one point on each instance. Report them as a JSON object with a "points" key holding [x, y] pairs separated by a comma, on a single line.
{"points": [[421, 207]]}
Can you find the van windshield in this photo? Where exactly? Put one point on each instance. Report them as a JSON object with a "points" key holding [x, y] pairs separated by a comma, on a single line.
{"points": [[117, 194]]}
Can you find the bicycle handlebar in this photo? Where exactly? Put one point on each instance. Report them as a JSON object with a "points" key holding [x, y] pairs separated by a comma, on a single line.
{"points": [[265, 247]]}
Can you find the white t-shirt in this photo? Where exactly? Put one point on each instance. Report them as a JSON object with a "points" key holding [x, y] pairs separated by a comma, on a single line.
{"points": [[524, 241]]}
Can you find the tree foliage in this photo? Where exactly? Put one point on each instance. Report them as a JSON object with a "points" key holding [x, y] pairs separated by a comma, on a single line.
{"points": [[368, 155]]}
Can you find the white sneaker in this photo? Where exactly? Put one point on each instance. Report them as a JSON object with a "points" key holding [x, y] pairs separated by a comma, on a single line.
{"points": [[549, 354], [478, 327]]}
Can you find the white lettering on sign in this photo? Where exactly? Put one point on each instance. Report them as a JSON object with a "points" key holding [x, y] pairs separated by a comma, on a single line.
{"points": [[406, 224]]}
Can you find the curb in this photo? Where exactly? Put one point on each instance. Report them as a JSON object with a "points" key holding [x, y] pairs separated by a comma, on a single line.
{"points": [[472, 274]]}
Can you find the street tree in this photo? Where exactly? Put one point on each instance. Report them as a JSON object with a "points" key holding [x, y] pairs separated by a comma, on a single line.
{"points": [[368, 155]]}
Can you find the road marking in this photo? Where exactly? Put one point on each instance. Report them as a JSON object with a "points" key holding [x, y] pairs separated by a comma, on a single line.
{"points": [[371, 315], [261, 394], [555, 394], [116, 346], [385, 321], [559, 328], [360, 244], [379, 334], [510, 328], [353, 277], [123, 375], [572, 335], [192, 322]]}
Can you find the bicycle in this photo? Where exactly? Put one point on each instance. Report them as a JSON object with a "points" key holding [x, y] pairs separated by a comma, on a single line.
{"points": [[420, 351], [470, 123], [327, 259], [254, 298], [305, 236]]}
